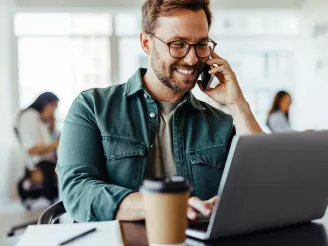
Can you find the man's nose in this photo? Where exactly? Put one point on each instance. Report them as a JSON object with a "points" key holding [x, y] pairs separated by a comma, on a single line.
{"points": [[191, 58]]}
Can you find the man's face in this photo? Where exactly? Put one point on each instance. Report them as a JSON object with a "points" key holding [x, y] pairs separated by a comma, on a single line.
{"points": [[179, 74]]}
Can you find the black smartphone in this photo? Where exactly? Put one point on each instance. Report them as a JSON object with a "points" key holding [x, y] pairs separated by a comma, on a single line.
{"points": [[206, 77]]}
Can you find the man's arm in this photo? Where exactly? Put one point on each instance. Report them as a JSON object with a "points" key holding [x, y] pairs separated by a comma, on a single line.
{"points": [[81, 168], [228, 93], [132, 207], [244, 119]]}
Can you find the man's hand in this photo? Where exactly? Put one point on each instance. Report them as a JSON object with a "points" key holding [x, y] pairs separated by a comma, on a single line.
{"points": [[195, 205], [228, 91], [131, 208]]}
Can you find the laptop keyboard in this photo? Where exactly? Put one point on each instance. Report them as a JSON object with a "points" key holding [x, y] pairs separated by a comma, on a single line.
{"points": [[200, 226]]}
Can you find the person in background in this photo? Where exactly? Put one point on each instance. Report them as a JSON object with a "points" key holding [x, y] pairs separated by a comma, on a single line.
{"points": [[35, 136], [278, 119], [54, 133]]}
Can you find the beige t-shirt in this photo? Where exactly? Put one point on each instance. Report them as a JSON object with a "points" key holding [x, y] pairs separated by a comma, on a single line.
{"points": [[160, 162]]}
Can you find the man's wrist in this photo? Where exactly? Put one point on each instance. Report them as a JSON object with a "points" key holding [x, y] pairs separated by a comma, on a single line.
{"points": [[244, 119], [240, 108], [131, 208]]}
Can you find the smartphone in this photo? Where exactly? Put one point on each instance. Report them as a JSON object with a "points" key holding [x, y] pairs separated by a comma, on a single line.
{"points": [[206, 77]]}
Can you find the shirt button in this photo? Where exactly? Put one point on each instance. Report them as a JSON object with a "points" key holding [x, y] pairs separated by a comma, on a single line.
{"points": [[152, 115], [151, 146], [145, 95]]}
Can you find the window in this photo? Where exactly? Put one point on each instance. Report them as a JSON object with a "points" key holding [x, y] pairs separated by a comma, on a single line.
{"points": [[131, 57], [127, 24], [45, 24], [62, 53]]}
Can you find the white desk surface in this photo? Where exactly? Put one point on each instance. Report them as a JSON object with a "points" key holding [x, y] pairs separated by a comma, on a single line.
{"points": [[107, 233]]}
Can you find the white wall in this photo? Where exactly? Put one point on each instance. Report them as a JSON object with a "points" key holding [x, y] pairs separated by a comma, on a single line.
{"points": [[7, 103], [312, 86]]}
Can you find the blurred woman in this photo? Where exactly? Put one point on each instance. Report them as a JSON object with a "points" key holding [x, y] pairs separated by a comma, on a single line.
{"points": [[35, 136], [278, 118]]}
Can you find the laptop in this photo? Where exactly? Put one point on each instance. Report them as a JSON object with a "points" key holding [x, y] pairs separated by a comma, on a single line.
{"points": [[269, 181]]}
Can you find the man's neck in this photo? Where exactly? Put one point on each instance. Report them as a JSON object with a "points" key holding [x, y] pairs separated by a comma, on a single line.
{"points": [[158, 90]]}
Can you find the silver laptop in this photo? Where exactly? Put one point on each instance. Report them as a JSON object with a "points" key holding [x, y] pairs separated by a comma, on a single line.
{"points": [[269, 181]]}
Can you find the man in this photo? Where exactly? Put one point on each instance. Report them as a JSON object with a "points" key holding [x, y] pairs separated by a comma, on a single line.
{"points": [[152, 125]]}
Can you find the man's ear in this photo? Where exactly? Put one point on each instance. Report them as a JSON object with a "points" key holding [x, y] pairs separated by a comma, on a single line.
{"points": [[145, 42]]}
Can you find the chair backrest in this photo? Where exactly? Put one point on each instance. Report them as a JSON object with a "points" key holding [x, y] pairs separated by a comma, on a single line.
{"points": [[16, 132], [52, 214]]}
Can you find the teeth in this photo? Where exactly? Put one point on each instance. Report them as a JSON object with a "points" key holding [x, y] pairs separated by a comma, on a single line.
{"points": [[185, 71]]}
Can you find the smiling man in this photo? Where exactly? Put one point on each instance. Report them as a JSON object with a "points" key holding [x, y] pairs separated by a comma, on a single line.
{"points": [[152, 125]]}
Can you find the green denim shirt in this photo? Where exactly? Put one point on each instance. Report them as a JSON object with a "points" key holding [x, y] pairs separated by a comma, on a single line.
{"points": [[106, 138]]}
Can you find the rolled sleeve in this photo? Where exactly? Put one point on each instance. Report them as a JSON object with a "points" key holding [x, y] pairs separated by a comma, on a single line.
{"points": [[81, 167]]}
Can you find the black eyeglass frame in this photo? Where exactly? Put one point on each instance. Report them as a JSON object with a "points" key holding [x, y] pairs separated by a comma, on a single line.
{"points": [[189, 46]]}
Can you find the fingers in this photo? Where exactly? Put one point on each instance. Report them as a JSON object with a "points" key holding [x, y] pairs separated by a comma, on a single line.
{"points": [[223, 72], [220, 69], [215, 55], [218, 62], [200, 206], [191, 213], [204, 207], [213, 200]]}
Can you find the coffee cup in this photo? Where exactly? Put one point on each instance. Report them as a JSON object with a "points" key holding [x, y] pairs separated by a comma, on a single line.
{"points": [[166, 203]]}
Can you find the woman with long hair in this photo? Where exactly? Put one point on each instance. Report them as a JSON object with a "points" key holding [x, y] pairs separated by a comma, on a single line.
{"points": [[35, 136], [278, 118]]}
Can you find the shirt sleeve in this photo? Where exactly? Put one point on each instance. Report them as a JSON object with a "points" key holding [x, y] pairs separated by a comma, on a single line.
{"points": [[279, 123], [29, 130], [81, 167]]}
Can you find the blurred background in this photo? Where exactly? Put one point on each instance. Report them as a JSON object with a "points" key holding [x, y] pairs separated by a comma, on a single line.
{"points": [[66, 46]]}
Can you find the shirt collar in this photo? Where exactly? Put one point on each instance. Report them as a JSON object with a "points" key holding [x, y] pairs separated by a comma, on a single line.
{"points": [[134, 85]]}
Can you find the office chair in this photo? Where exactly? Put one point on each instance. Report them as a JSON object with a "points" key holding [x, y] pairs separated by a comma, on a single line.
{"points": [[28, 195], [52, 214], [33, 179], [49, 216]]}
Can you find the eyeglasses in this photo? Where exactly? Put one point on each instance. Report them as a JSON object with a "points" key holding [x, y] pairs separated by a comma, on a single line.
{"points": [[180, 48]]}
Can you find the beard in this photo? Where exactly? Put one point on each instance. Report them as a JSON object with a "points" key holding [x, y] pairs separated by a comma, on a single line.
{"points": [[165, 73]]}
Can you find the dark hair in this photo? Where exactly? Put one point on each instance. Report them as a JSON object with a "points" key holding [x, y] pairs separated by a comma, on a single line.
{"points": [[276, 104], [152, 9], [42, 100]]}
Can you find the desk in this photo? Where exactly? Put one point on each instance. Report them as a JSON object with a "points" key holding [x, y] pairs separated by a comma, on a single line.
{"points": [[310, 234]]}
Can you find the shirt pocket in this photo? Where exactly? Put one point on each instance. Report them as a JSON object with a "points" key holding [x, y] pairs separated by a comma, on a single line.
{"points": [[125, 158], [207, 164]]}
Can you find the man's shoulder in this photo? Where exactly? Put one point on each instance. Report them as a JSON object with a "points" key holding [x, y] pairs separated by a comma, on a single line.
{"points": [[94, 103], [96, 96], [105, 92]]}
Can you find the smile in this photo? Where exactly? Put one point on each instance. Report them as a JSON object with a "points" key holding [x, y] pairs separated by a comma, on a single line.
{"points": [[187, 72]]}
